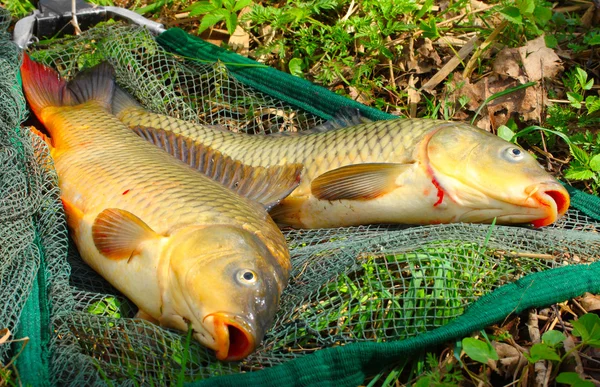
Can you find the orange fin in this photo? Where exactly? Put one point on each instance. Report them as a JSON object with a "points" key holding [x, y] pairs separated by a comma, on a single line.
{"points": [[357, 182], [265, 185], [73, 213], [145, 316], [289, 213], [42, 136], [44, 88], [118, 233]]}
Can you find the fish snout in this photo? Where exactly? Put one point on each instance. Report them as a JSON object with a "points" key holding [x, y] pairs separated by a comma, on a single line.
{"points": [[553, 197], [234, 336]]}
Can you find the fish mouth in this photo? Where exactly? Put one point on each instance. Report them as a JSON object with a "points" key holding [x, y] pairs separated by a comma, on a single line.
{"points": [[233, 336], [553, 197]]}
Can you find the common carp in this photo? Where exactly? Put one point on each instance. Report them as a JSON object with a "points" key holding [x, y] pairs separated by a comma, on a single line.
{"points": [[412, 171], [182, 247]]}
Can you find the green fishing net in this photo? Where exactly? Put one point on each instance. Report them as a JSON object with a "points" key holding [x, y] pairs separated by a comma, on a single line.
{"points": [[368, 284]]}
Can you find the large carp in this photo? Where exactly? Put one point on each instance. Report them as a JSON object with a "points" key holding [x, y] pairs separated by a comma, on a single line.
{"points": [[414, 171], [184, 248]]}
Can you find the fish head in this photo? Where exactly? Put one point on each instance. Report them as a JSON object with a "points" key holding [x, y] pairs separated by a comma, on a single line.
{"points": [[226, 283], [493, 177]]}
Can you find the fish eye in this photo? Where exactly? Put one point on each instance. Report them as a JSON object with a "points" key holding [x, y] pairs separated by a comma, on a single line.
{"points": [[513, 154], [246, 277]]}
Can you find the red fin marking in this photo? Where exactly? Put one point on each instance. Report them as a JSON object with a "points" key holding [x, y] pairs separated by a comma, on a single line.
{"points": [[42, 85], [440, 193], [126, 191]]}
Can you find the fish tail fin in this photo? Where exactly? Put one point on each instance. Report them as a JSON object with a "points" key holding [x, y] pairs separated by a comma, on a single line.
{"points": [[123, 101], [44, 88], [42, 85]]}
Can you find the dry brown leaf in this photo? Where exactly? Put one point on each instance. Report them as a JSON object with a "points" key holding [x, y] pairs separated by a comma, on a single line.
{"points": [[507, 63], [510, 359], [539, 61], [358, 95], [531, 62], [240, 41], [590, 302], [426, 57]]}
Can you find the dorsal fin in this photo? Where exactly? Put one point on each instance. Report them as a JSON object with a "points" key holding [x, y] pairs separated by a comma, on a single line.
{"points": [[344, 118], [266, 185], [122, 101]]}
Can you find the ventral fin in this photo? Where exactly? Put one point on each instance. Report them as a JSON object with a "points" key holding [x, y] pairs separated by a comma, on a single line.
{"points": [[118, 233], [265, 185], [41, 135], [358, 182], [346, 117]]}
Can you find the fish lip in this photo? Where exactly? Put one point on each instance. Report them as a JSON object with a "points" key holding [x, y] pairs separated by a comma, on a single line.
{"points": [[551, 195], [227, 325]]}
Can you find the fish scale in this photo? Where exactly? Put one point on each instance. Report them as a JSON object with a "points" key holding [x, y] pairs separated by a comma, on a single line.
{"points": [[410, 171], [143, 168], [342, 146]]}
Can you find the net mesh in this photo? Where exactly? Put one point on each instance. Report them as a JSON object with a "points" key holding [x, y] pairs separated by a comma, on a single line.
{"points": [[369, 283]]}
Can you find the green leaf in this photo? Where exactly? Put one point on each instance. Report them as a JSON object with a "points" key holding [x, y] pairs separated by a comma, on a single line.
{"points": [[551, 41], [588, 328], [579, 173], [573, 379], [512, 14], [211, 19], [575, 99], [217, 3], [588, 85], [553, 338], [542, 15], [592, 103], [526, 7], [295, 67], [231, 21], [425, 381], [505, 133], [581, 76], [229, 4], [595, 163], [478, 350], [241, 4], [200, 8], [424, 9], [579, 154], [542, 351], [594, 41]]}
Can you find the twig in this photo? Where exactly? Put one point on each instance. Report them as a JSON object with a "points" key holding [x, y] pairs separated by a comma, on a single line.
{"points": [[450, 65], [534, 335], [351, 10], [569, 344], [549, 155], [74, 16], [490, 39], [578, 305]]}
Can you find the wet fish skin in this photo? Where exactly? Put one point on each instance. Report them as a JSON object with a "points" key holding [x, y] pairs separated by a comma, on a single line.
{"points": [[182, 247], [347, 178]]}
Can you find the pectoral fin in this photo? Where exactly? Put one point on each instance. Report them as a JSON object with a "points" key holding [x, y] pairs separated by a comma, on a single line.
{"points": [[357, 182], [266, 185], [118, 233]]}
